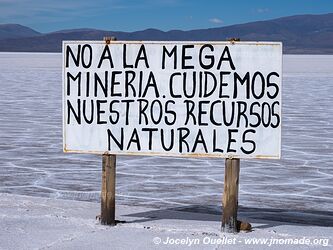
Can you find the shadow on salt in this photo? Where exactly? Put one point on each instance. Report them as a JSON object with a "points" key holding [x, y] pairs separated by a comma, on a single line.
{"points": [[260, 216]]}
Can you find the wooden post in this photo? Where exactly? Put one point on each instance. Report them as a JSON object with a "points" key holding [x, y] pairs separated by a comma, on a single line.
{"points": [[108, 195], [230, 196]]}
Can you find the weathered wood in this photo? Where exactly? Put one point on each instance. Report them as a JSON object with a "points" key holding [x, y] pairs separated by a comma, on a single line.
{"points": [[230, 195], [108, 39], [108, 194]]}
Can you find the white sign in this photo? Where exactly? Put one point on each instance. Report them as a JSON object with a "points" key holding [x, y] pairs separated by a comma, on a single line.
{"points": [[215, 99]]}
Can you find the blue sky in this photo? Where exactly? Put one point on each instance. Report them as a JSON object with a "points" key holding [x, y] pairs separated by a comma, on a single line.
{"points": [[132, 15]]}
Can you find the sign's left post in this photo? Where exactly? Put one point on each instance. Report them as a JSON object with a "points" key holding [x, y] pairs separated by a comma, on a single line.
{"points": [[108, 190], [108, 194]]}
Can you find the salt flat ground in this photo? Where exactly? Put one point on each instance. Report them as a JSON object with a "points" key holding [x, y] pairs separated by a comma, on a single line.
{"points": [[296, 189], [41, 223]]}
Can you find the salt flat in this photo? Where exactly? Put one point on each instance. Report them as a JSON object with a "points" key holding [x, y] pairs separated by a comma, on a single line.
{"points": [[297, 188], [41, 223]]}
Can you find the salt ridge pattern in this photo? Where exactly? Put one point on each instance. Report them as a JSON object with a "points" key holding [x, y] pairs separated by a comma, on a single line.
{"points": [[32, 161]]}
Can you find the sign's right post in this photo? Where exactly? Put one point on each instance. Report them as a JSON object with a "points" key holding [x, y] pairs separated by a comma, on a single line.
{"points": [[230, 192], [230, 196]]}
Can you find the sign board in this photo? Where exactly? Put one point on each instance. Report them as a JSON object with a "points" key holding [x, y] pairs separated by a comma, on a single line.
{"points": [[208, 99]]}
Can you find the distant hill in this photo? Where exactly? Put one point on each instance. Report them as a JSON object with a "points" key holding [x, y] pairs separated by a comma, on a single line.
{"points": [[8, 31], [302, 34]]}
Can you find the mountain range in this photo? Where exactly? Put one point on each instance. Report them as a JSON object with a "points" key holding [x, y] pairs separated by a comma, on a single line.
{"points": [[301, 34]]}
